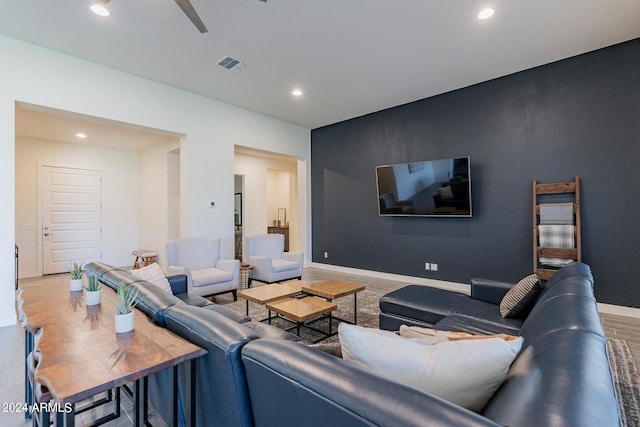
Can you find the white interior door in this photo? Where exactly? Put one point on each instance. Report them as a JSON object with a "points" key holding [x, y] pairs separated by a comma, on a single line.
{"points": [[71, 217]]}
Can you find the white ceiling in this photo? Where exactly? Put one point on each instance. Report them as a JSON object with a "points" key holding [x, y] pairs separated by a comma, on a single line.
{"points": [[350, 57], [55, 125]]}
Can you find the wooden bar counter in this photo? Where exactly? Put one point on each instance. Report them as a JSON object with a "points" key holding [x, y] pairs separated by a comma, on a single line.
{"points": [[80, 353]]}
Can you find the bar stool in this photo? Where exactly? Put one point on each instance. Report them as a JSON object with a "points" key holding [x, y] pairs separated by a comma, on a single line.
{"points": [[144, 257]]}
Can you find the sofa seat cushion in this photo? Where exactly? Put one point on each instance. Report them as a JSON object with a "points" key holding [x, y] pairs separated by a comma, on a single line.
{"points": [[480, 312], [423, 303], [464, 372], [470, 325], [208, 276], [280, 265]]}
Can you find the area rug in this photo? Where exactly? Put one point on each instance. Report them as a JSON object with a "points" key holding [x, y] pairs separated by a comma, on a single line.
{"points": [[626, 381], [367, 316], [625, 370]]}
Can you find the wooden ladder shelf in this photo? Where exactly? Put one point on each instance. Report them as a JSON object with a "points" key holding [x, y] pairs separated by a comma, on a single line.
{"points": [[572, 191]]}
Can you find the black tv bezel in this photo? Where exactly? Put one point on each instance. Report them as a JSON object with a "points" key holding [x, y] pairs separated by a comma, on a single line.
{"points": [[434, 215]]}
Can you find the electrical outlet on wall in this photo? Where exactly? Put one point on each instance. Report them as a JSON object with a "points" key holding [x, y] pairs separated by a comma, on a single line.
{"points": [[434, 267], [427, 266], [326, 254]]}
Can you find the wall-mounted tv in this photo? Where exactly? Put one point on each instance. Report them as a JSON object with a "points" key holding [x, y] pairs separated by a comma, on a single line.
{"points": [[427, 188]]}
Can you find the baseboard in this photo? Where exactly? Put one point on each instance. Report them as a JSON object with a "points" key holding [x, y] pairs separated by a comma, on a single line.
{"points": [[618, 310], [450, 286]]}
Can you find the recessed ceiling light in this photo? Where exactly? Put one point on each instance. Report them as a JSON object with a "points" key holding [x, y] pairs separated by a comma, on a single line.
{"points": [[486, 13], [296, 92], [100, 8], [81, 135]]}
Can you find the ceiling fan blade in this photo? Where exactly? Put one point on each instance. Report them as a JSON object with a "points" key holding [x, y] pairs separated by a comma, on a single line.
{"points": [[191, 13]]}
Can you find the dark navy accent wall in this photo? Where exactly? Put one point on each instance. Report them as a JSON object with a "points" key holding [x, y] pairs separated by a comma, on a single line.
{"points": [[579, 116]]}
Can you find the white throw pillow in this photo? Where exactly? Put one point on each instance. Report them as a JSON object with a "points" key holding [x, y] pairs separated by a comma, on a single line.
{"points": [[465, 372], [152, 273]]}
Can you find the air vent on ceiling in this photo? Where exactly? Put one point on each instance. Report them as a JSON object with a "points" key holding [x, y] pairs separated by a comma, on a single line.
{"points": [[232, 64]]}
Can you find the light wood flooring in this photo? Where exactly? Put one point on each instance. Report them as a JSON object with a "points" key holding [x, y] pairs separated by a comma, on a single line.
{"points": [[12, 337]]}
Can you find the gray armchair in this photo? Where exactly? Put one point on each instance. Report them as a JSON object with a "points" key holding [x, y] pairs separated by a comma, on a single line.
{"points": [[273, 264], [199, 259]]}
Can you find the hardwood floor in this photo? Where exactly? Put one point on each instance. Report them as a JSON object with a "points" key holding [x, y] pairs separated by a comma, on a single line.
{"points": [[12, 337]]}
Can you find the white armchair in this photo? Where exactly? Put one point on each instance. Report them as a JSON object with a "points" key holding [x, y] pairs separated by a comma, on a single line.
{"points": [[199, 259], [273, 264]]}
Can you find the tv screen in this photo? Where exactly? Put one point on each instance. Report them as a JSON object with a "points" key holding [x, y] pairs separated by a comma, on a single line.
{"points": [[427, 188]]}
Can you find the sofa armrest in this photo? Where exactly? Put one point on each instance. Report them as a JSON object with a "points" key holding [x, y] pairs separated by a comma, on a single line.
{"points": [[178, 283], [230, 265], [491, 291]]}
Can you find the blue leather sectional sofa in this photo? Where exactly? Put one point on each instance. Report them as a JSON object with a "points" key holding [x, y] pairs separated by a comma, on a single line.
{"points": [[255, 375], [562, 375]]}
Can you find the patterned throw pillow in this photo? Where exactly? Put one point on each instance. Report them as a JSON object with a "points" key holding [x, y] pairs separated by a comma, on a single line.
{"points": [[152, 273], [519, 300]]}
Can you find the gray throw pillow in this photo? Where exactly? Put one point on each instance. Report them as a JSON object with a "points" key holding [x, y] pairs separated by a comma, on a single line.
{"points": [[519, 300]]}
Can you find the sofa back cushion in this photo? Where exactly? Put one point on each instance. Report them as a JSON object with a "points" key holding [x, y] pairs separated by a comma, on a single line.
{"points": [[575, 269], [221, 389], [562, 379], [293, 385], [113, 277], [153, 301]]}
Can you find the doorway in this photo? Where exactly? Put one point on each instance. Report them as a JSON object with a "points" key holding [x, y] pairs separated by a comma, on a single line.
{"points": [[272, 185], [71, 217]]}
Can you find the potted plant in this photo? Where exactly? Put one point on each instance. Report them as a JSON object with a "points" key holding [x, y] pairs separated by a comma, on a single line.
{"points": [[94, 290], [76, 272], [124, 308]]}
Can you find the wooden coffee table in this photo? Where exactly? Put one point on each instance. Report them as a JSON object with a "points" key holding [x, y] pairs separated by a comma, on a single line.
{"points": [[302, 310], [268, 293], [333, 289]]}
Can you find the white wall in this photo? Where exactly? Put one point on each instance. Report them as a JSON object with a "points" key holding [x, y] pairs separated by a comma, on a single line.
{"points": [[119, 195], [43, 77], [154, 188], [278, 186]]}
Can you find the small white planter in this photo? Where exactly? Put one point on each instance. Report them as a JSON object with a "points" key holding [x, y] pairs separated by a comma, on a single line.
{"points": [[124, 322], [76, 285], [93, 297]]}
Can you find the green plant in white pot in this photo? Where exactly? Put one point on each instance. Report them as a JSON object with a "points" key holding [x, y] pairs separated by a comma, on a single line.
{"points": [[76, 271], [127, 298], [93, 290]]}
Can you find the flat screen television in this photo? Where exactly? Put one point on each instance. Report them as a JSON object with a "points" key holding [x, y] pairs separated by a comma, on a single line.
{"points": [[427, 188]]}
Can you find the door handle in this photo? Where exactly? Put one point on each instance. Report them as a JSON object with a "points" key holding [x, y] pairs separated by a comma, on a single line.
{"points": [[46, 234]]}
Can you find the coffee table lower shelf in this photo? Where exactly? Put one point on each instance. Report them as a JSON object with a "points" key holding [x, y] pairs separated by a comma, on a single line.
{"points": [[303, 311]]}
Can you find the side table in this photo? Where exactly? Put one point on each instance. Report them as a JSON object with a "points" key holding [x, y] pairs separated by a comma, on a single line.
{"points": [[245, 276]]}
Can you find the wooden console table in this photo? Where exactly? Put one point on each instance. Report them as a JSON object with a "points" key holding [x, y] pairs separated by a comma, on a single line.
{"points": [[81, 355]]}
